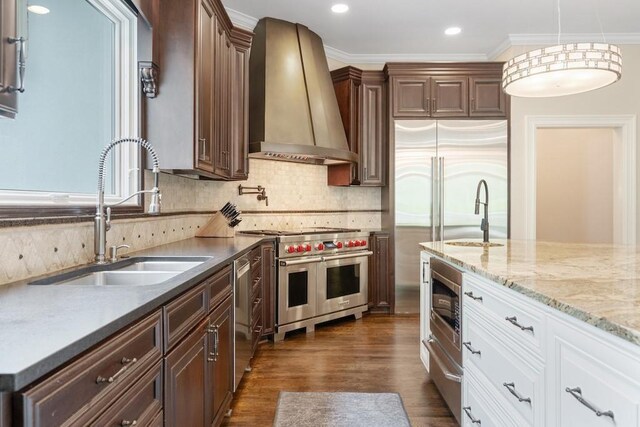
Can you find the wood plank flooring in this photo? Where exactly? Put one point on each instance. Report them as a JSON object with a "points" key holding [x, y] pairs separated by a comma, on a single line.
{"points": [[378, 353]]}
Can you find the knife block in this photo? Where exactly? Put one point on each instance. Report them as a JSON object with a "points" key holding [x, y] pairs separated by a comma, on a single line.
{"points": [[216, 227]]}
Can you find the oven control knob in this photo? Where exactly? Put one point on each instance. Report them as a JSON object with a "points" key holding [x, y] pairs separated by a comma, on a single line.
{"points": [[290, 249], [320, 246], [339, 245], [350, 243], [356, 243], [300, 248], [363, 243], [308, 247]]}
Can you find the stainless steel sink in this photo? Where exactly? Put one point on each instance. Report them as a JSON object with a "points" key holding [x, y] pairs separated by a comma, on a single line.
{"points": [[161, 266], [138, 271], [121, 278], [474, 244]]}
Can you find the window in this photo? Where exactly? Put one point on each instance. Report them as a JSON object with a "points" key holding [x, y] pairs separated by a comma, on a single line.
{"points": [[81, 91]]}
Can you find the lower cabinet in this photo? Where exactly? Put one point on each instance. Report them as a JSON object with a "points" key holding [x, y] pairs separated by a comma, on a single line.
{"points": [[221, 351], [268, 290], [381, 284], [527, 364]]}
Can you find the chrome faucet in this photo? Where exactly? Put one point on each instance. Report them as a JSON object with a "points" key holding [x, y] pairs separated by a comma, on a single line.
{"points": [[484, 226], [102, 220]]}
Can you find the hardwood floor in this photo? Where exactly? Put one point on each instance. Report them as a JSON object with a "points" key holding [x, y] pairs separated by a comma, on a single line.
{"points": [[378, 353]]}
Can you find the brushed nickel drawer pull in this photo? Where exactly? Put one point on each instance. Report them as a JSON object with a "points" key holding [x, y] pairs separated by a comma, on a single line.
{"points": [[212, 357], [471, 349], [514, 321], [577, 393], [473, 297], [512, 389], [467, 410], [257, 302], [126, 423], [125, 362]]}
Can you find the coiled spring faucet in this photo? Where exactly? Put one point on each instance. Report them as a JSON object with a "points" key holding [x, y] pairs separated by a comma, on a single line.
{"points": [[102, 221]]}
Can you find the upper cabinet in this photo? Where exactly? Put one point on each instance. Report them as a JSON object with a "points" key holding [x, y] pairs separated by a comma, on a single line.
{"points": [[198, 123], [9, 48], [447, 90], [362, 103]]}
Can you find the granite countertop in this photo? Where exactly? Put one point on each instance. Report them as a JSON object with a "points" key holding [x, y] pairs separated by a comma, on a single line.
{"points": [[595, 283], [44, 326]]}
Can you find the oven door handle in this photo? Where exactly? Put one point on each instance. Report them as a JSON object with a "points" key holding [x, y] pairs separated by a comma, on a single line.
{"points": [[285, 263], [345, 256], [447, 374]]}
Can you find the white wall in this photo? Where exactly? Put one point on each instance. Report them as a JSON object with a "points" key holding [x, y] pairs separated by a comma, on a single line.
{"points": [[574, 185], [620, 98]]}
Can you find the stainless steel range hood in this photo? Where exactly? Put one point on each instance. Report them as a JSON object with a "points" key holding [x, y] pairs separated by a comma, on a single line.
{"points": [[293, 111]]}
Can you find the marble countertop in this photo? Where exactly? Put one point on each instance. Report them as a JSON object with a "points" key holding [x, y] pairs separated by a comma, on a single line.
{"points": [[44, 326], [596, 283]]}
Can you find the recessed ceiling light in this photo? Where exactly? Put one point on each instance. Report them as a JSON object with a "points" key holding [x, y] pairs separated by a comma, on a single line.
{"points": [[37, 9], [339, 8], [452, 31]]}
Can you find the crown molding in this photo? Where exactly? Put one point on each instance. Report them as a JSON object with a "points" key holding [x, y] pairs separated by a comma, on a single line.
{"points": [[383, 58], [242, 20]]}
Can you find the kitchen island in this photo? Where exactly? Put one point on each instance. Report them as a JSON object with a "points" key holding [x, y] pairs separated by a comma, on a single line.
{"points": [[550, 332]]}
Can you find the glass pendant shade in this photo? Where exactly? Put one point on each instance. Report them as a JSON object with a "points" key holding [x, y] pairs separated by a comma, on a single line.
{"points": [[564, 69]]}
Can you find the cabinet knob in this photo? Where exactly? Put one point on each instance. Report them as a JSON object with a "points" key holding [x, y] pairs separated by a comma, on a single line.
{"points": [[125, 423]]}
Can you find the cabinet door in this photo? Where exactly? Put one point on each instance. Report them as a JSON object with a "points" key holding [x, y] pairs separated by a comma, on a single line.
{"points": [[204, 89], [486, 97], [411, 97], [381, 289], [269, 290], [220, 356], [186, 370], [239, 145], [8, 58], [222, 103], [450, 97], [372, 150]]}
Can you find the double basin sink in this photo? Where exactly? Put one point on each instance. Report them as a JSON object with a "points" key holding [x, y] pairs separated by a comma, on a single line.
{"points": [[138, 271]]}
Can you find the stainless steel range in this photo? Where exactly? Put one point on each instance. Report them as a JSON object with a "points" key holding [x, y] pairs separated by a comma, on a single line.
{"points": [[322, 275]]}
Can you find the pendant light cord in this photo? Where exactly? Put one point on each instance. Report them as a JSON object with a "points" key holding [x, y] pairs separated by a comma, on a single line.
{"points": [[559, 22], [595, 8]]}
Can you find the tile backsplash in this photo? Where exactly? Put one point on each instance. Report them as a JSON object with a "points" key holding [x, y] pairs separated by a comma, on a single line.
{"points": [[35, 250]]}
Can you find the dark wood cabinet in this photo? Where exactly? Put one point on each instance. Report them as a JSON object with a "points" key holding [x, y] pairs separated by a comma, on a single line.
{"points": [[8, 58], [450, 97], [487, 99], [268, 290], [361, 100], [221, 377], [381, 284], [446, 90], [198, 123]]}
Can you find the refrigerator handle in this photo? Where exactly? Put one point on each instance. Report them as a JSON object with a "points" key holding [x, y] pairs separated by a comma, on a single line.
{"points": [[441, 198], [434, 172]]}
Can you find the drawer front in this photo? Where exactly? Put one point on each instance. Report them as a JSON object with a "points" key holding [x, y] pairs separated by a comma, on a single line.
{"points": [[518, 318], [589, 376], [484, 405], [256, 286], [256, 333], [139, 405], [220, 287], [256, 307], [87, 386], [520, 384], [184, 313], [255, 257]]}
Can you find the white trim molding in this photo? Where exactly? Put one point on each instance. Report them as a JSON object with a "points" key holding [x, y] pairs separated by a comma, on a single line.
{"points": [[625, 206], [242, 20]]}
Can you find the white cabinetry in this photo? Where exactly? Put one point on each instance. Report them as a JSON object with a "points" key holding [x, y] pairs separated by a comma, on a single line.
{"points": [[527, 364], [425, 305]]}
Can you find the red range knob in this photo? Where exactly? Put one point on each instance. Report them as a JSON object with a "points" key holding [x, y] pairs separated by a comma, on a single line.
{"points": [[357, 243], [300, 248], [308, 247], [363, 243], [339, 245], [320, 246], [350, 244], [290, 249]]}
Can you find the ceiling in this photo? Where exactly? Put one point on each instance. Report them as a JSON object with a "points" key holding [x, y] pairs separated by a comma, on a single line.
{"points": [[383, 30]]}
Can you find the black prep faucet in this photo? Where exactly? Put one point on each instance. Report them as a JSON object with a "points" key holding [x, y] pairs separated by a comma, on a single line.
{"points": [[484, 226]]}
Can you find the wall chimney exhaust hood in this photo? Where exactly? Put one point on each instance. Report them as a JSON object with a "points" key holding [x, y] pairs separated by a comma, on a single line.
{"points": [[293, 110]]}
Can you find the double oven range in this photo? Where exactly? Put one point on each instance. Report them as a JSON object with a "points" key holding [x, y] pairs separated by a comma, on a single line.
{"points": [[322, 275]]}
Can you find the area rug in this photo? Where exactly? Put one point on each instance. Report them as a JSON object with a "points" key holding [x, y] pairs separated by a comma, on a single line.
{"points": [[340, 410]]}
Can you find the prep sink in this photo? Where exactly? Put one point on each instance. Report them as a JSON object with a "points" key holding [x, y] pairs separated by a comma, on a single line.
{"points": [[138, 271]]}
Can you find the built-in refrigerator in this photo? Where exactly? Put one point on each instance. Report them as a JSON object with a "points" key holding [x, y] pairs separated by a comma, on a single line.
{"points": [[438, 164]]}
